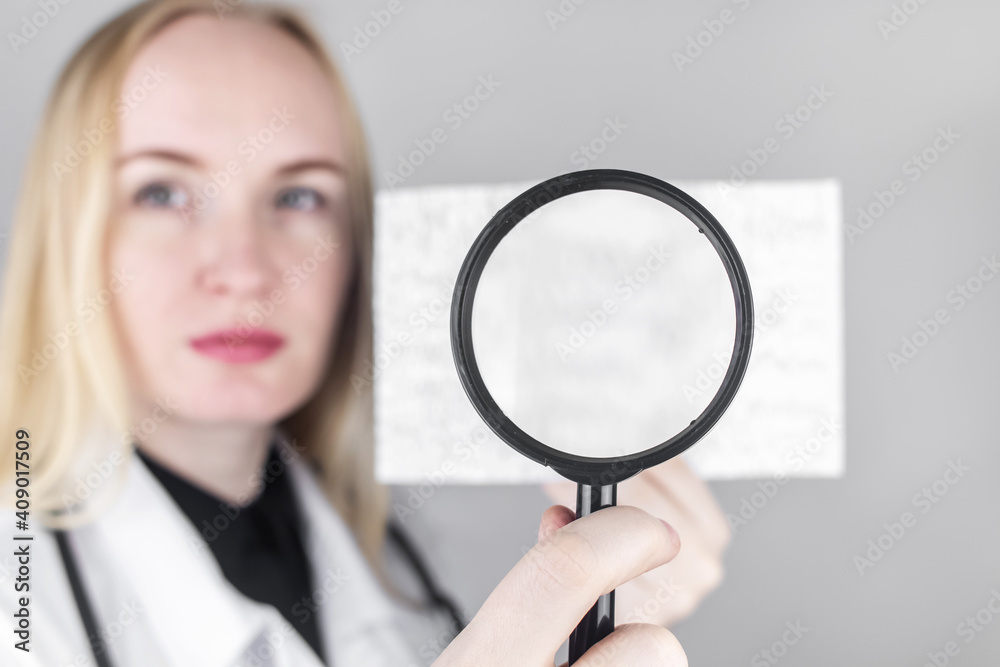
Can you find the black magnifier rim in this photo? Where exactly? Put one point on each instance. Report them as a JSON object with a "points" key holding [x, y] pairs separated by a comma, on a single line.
{"points": [[587, 469]]}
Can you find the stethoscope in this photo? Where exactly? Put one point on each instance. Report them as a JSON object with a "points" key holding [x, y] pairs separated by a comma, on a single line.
{"points": [[437, 598]]}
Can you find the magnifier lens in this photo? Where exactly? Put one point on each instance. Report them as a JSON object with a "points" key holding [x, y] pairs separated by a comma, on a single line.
{"points": [[603, 323]]}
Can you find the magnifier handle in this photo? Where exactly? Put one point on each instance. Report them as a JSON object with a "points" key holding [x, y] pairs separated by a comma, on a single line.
{"points": [[600, 620]]}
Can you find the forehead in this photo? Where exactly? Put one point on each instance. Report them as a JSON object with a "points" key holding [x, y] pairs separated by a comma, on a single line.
{"points": [[205, 86]]}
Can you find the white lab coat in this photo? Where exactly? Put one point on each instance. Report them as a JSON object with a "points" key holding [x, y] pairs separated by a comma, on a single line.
{"points": [[161, 600]]}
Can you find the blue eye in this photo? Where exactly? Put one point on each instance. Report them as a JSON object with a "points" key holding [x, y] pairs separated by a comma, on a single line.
{"points": [[301, 199], [160, 195]]}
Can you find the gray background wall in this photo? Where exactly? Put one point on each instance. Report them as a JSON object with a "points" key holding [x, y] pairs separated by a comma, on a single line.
{"points": [[890, 95]]}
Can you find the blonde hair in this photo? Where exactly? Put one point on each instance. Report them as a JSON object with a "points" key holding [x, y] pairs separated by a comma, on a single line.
{"points": [[61, 373]]}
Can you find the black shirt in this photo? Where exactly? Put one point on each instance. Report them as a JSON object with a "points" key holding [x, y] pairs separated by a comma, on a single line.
{"points": [[259, 546]]}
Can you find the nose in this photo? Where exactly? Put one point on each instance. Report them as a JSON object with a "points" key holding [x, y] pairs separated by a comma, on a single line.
{"points": [[235, 255]]}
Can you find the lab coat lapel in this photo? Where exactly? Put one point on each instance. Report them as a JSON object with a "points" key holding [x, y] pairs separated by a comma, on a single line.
{"points": [[197, 614], [358, 620]]}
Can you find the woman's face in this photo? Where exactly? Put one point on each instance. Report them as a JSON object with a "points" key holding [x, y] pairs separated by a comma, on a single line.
{"points": [[230, 222]]}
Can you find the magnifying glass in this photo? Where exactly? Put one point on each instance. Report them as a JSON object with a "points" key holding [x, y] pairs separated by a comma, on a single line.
{"points": [[604, 339]]}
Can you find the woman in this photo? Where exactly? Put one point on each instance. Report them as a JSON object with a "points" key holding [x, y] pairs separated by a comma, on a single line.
{"points": [[187, 295]]}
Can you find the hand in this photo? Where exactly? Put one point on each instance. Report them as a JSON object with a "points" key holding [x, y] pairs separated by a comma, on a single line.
{"points": [[535, 608], [674, 492]]}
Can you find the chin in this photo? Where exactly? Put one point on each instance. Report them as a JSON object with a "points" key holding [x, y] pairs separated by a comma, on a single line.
{"points": [[243, 402]]}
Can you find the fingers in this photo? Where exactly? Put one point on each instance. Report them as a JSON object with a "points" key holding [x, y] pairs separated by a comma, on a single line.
{"points": [[545, 595], [674, 492], [553, 519], [687, 492], [636, 645], [664, 594], [671, 592]]}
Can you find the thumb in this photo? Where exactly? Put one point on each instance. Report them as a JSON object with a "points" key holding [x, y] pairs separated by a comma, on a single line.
{"points": [[553, 519]]}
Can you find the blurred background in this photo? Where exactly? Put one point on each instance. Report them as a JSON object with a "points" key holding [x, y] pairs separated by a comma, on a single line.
{"points": [[910, 94]]}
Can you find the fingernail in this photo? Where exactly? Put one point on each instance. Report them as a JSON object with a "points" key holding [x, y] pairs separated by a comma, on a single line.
{"points": [[674, 537]]}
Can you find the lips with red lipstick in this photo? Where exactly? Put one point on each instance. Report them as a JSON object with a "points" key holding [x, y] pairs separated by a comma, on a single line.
{"points": [[237, 346]]}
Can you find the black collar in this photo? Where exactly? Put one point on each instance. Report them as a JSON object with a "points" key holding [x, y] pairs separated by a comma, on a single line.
{"points": [[257, 545]]}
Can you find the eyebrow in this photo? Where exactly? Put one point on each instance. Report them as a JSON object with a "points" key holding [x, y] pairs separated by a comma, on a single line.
{"points": [[312, 163], [160, 154], [191, 161]]}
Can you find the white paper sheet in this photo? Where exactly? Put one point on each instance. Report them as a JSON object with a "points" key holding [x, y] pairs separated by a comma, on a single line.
{"points": [[787, 418]]}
